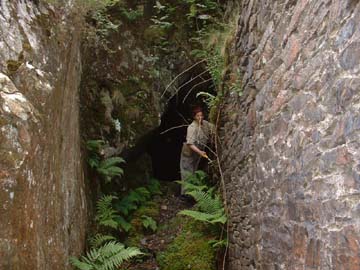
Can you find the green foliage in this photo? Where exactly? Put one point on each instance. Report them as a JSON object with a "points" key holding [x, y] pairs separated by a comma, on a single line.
{"points": [[100, 239], [210, 99], [154, 187], [149, 223], [131, 14], [108, 168], [189, 250], [209, 208], [103, 25], [196, 181], [107, 216], [107, 257], [94, 146], [137, 197]]}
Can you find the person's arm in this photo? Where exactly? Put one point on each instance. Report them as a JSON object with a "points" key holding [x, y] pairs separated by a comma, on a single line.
{"points": [[197, 150]]}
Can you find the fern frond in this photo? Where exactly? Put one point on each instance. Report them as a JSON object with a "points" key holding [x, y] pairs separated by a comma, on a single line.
{"points": [[123, 224], [118, 257], [204, 217], [149, 222], [105, 213], [191, 187], [126, 205], [110, 172], [109, 162], [99, 239], [94, 145], [134, 197], [108, 257], [205, 201], [80, 265], [144, 194]]}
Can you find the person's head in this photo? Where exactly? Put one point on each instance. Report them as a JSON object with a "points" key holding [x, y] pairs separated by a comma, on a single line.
{"points": [[198, 114]]}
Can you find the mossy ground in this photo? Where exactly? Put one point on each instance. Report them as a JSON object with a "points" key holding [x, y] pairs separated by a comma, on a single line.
{"points": [[179, 243], [189, 250]]}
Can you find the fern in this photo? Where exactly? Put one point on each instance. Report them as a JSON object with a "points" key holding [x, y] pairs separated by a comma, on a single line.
{"points": [[107, 257], [100, 239], [191, 187], [105, 213], [108, 168], [123, 224], [148, 223], [154, 187], [94, 145], [208, 207], [126, 205], [143, 193]]}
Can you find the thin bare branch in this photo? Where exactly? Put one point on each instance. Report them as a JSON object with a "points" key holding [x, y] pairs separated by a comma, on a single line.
{"points": [[188, 93], [186, 70], [165, 131], [189, 81]]}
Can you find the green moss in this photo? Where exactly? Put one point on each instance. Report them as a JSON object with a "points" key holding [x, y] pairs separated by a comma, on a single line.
{"points": [[189, 250], [13, 65]]}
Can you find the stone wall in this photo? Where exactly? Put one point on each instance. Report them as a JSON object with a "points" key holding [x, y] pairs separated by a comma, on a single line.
{"points": [[291, 142], [43, 209]]}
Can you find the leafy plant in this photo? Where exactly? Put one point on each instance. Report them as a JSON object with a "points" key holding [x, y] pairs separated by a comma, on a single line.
{"points": [[137, 197], [209, 208], [149, 223], [94, 147], [154, 187], [100, 239], [131, 14], [108, 168], [107, 216], [107, 257], [196, 181], [218, 243]]}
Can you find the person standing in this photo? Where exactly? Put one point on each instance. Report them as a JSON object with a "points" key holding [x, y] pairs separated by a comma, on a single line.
{"points": [[197, 136]]}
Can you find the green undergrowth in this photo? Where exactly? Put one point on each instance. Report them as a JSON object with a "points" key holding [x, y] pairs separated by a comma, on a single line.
{"points": [[193, 238], [152, 210], [191, 248]]}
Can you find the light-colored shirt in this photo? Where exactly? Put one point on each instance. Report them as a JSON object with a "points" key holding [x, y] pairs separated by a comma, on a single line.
{"points": [[199, 135]]}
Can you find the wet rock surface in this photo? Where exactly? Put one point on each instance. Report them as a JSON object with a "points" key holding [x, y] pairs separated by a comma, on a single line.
{"points": [[42, 191], [291, 150]]}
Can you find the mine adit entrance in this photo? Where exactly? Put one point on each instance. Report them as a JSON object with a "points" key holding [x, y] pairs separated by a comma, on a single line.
{"points": [[168, 138]]}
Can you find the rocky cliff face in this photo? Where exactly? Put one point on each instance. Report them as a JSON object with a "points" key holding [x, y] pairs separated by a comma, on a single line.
{"points": [[43, 206], [291, 142]]}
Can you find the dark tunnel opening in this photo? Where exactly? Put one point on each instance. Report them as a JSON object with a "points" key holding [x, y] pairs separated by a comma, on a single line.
{"points": [[165, 146]]}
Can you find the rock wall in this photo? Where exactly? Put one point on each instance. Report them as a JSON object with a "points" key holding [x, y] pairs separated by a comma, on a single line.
{"points": [[43, 209], [291, 142]]}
